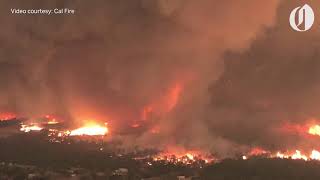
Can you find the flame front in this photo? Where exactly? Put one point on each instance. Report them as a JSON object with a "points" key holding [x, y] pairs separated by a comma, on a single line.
{"points": [[314, 155], [298, 155], [51, 119], [314, 130], [90, 130], [32, 127], [187, 157], [7, 116], [178, 155]]}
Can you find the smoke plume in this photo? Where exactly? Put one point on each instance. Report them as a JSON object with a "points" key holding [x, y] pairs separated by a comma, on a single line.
{"points": [[161, 62]]}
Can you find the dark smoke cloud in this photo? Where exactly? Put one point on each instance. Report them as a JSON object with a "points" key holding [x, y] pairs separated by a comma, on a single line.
{"points": [[271, 86], [112, 58]]}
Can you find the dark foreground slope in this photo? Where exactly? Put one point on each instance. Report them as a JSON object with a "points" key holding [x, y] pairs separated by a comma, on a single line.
{"points": [[32, 154], [263, 169]]}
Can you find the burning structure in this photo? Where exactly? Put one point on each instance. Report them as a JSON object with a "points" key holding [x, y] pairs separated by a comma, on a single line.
{"points": [[182, 77]]}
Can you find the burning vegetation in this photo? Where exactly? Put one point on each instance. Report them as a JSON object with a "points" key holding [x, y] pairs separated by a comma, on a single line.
{"points": [[7, 116], [59, 134], [187, 158], [314, 130], [30, 127], [90, 130]]}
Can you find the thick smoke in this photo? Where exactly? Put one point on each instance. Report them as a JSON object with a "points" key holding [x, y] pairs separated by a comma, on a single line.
{"points": [[113, 58], [268, 92]]}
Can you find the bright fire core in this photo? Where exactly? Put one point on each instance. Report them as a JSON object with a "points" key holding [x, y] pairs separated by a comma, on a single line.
{"points": [[90, 130]]}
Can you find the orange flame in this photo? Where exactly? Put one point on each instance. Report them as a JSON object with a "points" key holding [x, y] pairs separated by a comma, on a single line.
{"points": [[314, 155], [51, 119], [257, 151], [181, 155], [314, 130], [295, 155], [7, 116], [90, 130], [136, 125], [155, 130], [184, 158], [165, 104], [31, 127], [298, 155]]}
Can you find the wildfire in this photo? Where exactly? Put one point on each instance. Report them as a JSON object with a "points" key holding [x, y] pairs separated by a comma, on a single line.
{"points": [[146, 111], [295, 155], [173, 96], [244, 157], [314, 130], [164, 104], [7, 116], [90, 130], [258, 152], [184, 158], [282, 156], [155, 130], [173, 155], [135, 125], [187, 158], [32, 127], [51, 119], [314, 155], [298, 155]]}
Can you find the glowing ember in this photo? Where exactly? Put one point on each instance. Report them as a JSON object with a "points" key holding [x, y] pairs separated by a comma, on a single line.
{"points": [[136, 125], [257, 152], [155, 130], [190, 156], [282, 156], [51, 119], [314, 130], [294, 155], [90, 130], [7, 116], [28, 128], [64, 133], [53, 122], [298, 155], [184, 158]]}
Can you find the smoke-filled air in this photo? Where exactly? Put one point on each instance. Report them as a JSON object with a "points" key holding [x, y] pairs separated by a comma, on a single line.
{"points": [[220, 77]]}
